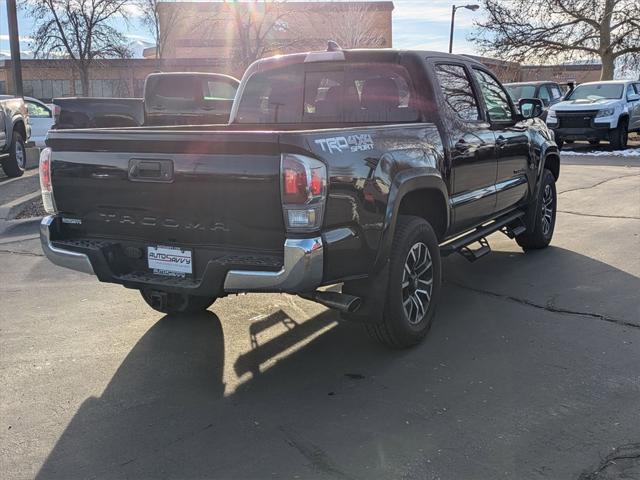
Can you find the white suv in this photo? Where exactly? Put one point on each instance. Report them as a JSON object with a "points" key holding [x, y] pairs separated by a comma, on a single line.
{"points": [[598, 111]]}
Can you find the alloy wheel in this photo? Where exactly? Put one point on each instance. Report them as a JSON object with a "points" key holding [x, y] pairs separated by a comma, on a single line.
{"points": [[547, 209], [417, 283], [21, 157]]}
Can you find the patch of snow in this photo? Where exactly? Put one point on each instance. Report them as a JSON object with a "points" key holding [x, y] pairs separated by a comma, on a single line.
{"points": [[630, 152]]}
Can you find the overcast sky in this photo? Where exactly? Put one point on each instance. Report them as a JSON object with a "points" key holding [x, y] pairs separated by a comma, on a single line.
{"points": [[416, 24]]}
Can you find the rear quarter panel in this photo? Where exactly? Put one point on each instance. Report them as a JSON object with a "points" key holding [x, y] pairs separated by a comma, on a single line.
{"points": [[362, 164]]}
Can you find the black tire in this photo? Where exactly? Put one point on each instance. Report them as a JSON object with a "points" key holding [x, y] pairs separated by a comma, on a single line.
{"points": [[176, 303], [619, 137], [594, 142], [406, 322], [542, 219], [15, 164]]}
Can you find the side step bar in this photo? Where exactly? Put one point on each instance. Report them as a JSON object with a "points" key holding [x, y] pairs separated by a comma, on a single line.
{"points": [[479, 234]]}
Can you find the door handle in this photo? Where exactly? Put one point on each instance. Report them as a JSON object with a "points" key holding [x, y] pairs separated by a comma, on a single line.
{"points": [[501, 141], [143, 170]]}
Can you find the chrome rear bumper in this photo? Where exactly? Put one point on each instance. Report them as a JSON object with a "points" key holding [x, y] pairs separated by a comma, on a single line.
{"points": [[301, 272], [64, 258]]}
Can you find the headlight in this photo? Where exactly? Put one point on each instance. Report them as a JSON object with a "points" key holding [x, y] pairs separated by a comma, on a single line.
{"points": [[607, 112]]}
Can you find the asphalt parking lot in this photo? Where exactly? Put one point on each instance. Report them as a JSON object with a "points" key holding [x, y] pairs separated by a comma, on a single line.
{"points": [[531, 370]]}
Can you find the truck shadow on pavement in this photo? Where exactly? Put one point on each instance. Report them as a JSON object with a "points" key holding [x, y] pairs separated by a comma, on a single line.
{"points": [[497, 386]]}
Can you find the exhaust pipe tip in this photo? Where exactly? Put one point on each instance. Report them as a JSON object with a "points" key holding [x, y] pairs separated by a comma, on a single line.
{"points": [[336, 300], [354, 305]]}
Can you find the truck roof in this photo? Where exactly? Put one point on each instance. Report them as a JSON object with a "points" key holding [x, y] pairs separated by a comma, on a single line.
{"points": [[613, 82], [354, 55]]}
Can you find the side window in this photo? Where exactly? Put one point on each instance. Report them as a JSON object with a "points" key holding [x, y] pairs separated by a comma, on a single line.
{"points": [[219, 90], [637, 86], [495, 97], [38, 111], [630, 91], [544, 94], [555, 92], [457, 91]]}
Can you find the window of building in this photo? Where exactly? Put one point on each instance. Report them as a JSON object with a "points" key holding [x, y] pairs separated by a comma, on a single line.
{"points": [[457, 91], [46, 89], [495, 97]]}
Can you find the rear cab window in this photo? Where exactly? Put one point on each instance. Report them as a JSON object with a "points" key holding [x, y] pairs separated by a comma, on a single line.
{"points": [[457, 91], [329, 93]]}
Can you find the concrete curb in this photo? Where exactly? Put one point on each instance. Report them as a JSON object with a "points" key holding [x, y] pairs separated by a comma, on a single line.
{"points": [[10, 210]]}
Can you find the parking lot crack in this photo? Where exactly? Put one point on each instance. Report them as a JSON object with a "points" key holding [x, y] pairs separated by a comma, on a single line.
{"points": [[548, 307], [623, 217], [319, 458], [17, 252], [628, 454], [599, 183]]}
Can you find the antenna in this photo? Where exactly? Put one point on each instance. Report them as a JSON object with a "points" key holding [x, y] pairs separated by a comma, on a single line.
{"points": [[332, 46]]}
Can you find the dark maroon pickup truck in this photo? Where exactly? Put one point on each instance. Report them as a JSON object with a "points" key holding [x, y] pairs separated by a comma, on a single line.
{"points": [[360, 168]]}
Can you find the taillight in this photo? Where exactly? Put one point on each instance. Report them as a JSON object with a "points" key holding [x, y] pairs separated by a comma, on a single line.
{"points": [[46, 187], [56, 114], [304, 191]]}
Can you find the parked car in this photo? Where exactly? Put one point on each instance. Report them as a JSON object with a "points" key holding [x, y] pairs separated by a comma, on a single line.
{"points": [[169, 99], [41, 119], [360, 167], [598, 111], [14, 132], [549, 92]]}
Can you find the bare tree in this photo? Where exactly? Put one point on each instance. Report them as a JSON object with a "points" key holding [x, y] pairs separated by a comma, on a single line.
{"points": [[159, 21], [260, 28], [608, 30], [350, 24], [80, 30]]}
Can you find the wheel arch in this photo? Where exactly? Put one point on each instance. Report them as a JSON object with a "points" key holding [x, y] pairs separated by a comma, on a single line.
{"points": [[18, 126], [415, 192], [552, 162]]}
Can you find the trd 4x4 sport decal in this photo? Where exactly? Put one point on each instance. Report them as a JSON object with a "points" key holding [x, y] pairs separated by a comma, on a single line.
{"points": [[352, 143]]}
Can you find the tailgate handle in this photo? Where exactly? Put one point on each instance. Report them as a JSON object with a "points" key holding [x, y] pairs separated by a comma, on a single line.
{"points": [[144, 170]]}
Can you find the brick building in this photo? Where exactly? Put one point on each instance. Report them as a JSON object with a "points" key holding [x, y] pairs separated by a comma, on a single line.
{"points": [[209, 30]]}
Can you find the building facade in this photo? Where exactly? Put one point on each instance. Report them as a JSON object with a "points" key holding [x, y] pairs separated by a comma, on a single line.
{"points": [[225, 30]]}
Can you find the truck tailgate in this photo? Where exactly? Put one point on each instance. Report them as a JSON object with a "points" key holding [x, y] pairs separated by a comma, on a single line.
{"points": [[217, 188]]}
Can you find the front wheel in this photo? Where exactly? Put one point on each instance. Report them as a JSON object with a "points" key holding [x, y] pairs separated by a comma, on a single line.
{"points": [[15, 164], [413, 289], [541, 220], [619, 136], [176, 303]]}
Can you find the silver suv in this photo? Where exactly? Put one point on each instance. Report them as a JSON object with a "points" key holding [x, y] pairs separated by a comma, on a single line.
{"points": [[598, 111]]}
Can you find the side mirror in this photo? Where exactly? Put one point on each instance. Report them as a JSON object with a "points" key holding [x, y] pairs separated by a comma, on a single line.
{"points": [[530, 107]]}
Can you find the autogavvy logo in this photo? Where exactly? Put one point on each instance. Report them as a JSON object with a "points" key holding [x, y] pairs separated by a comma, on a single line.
{"points": [[351, 143]]}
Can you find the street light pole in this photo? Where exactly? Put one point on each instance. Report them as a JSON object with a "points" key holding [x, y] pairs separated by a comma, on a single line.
{"points": [[14, 46], [453, 18], [472, 7]]}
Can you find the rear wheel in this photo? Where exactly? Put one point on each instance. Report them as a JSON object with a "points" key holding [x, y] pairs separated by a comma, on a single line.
{"points": [[618, 137], [542, 219], [413, 288], [15, 164], [176, 303]]}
